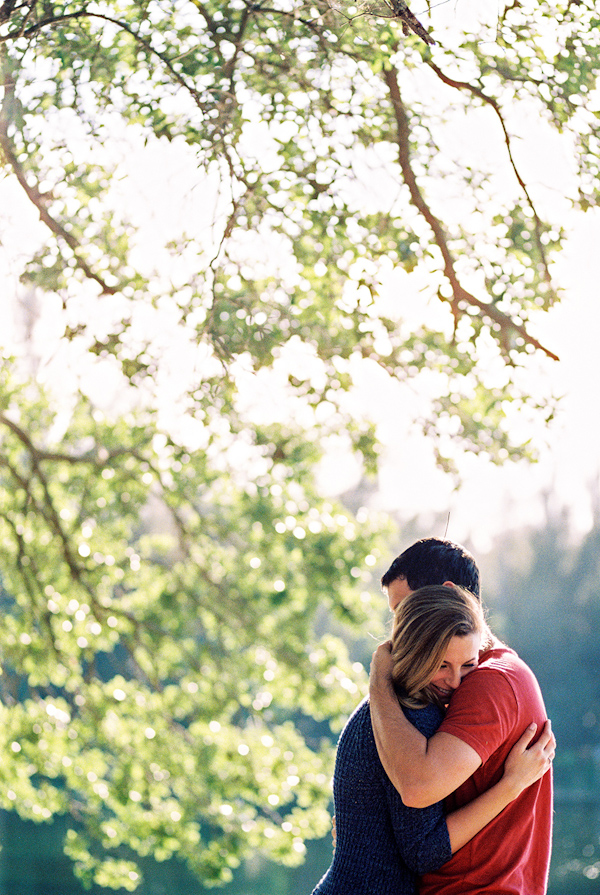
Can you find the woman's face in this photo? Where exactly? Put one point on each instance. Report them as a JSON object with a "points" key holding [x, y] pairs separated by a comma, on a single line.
{"points": [[461, 658]]}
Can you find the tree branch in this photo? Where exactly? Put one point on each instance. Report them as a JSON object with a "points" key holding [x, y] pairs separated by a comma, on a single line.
{"points": [[47, 508], [34, 194], [99, 459], [87, 14], [6, 12], [490, 101], [459, 293], [30, 575]]}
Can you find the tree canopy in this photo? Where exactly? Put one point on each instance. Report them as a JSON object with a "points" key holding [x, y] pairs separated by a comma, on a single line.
{"points": [[222, 202]]}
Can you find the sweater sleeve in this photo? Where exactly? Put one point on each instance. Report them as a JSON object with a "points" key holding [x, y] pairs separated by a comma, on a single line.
{"points": [[421, 834]]}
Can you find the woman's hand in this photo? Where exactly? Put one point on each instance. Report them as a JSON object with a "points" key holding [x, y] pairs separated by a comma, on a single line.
{"points": [[526, 765], [381, 666], [523, 767]]}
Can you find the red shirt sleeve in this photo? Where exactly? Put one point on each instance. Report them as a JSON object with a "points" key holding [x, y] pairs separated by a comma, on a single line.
{"points": [[482, 712]]}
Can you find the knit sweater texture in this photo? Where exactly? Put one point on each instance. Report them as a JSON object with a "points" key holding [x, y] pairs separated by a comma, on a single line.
{"points": [[381, 845]]}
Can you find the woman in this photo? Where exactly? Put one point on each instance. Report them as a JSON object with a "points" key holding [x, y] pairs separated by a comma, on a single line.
{"points": [[381, 845]]}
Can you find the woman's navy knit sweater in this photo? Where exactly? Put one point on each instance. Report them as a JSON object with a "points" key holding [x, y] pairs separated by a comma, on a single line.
{"points": [[381, 845]]}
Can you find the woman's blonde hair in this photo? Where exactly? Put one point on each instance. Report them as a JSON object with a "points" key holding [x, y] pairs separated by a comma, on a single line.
{"points": [[424, 624]]}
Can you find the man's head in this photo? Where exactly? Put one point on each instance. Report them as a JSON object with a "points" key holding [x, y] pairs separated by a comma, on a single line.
{"points": [[430, 561]]}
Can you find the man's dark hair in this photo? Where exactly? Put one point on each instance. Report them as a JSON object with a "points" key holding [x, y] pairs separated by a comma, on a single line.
{"points": [[434, 561]]}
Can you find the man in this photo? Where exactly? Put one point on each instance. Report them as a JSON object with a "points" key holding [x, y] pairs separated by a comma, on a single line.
{"points": [[487, 715], [430, 561]]}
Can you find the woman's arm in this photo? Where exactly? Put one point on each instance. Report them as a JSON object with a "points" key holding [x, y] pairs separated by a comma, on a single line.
{"points": [[426, 838], [522, 768], [424, 771]]}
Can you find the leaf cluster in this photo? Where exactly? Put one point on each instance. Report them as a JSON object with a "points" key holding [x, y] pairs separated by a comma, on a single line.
{"points": [[163, 652]]}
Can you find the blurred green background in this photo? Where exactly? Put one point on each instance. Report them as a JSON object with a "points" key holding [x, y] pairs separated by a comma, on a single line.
{"points": [[543, 596]]}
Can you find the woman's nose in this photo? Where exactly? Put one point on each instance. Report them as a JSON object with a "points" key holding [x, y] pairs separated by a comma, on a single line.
{"points": [[454, 678]]}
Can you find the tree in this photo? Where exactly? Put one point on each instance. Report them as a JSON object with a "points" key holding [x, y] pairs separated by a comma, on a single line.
{"points": [[171, 573], [161, 671]]}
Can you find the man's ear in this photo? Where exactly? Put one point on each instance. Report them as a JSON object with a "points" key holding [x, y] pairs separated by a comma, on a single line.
{"points": [[449, 584]]}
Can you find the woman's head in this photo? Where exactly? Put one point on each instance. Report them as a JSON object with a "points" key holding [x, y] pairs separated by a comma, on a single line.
{"points": [[431, 625]]}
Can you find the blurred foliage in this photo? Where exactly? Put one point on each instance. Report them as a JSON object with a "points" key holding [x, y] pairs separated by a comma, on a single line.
{"points": [[173, 584], [161, 671]]}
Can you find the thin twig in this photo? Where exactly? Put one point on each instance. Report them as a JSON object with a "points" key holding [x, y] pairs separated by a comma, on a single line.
{"points": [[490, 101]]}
